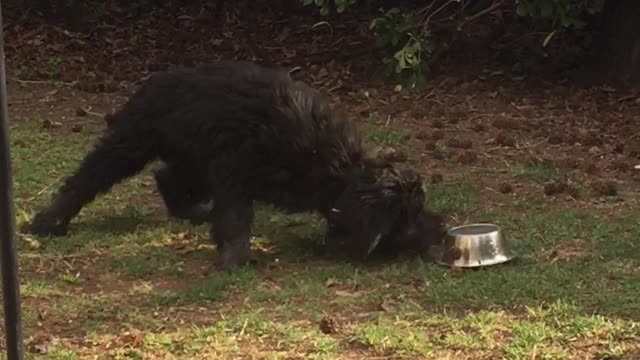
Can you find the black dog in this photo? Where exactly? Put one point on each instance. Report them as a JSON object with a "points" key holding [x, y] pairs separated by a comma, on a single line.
{"points": [[236, 133]]}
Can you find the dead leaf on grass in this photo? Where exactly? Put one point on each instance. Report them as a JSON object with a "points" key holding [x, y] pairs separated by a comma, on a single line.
{"points": [[331, 282], [350, 294], [271, 286], [42, 344], [567, 251], [132, 339], [48, 124], [388, 305], [32, 243]]}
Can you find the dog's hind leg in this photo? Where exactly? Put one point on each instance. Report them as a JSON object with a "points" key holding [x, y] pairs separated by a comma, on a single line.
{"points": [[184, 189], [117, 156], [231, 230]]}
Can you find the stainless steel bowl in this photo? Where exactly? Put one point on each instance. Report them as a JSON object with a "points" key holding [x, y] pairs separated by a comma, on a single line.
{"points": [[474, 245]]}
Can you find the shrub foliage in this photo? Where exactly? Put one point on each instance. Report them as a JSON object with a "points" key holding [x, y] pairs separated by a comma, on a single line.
{"points": [[414, 36]]}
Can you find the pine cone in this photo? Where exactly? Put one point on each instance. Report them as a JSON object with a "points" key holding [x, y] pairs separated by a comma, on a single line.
{"points": [[328, 325]]}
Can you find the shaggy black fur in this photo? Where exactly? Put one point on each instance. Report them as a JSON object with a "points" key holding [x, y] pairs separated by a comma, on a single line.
{"points": [[237, 133]]}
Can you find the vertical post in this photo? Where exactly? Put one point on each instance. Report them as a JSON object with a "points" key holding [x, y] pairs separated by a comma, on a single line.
{"points": [[10, 282]]}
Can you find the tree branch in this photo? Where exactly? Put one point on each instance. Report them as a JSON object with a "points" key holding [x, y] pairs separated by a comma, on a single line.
{"points": [[469, 19], [442, 7]]}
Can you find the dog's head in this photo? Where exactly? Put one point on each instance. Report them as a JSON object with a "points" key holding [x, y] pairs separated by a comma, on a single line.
{"points": [[382, 210]]}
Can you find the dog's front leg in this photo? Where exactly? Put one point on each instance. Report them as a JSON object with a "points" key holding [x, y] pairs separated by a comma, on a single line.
{"points": [[231, 230]]}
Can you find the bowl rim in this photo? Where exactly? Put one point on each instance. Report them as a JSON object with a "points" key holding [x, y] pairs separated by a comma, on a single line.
{"points": [[496, 229]]}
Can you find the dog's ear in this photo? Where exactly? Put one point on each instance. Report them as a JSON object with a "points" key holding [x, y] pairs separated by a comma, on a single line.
{"points": [[412, 185], [369, 207]]}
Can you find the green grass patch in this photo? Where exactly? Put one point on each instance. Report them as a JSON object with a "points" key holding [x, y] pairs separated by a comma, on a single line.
{"points": [[451, 198], [536, 172], [385, 136]]}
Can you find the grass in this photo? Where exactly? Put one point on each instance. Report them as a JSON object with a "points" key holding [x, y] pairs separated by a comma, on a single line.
{"points": [[536, 172], [128, 283], [382, 135]]}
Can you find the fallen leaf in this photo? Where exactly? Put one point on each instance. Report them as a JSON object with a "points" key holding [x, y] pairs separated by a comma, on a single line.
{"points": [[42, 344], [388, 305], [284, 34], [345, 293], [183, 249], [48, 124], [271, 286], [42, 314], [133, 339], [331, 282], [32, 243]]}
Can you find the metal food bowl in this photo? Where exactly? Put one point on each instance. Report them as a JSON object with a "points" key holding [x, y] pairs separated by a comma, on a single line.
{"points": [[474, 245]]}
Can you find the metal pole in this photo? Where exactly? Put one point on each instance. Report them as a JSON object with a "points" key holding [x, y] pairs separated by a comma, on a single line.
{"points": [[9, 258]]}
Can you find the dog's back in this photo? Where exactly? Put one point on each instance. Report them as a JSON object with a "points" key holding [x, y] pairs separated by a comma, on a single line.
{"points": [[259, 116], [165, 85], [239, 98]]}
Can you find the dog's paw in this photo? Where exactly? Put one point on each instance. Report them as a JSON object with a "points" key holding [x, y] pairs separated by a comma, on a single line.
{"points": [[228, 259], [46, 224], [46, 229]]}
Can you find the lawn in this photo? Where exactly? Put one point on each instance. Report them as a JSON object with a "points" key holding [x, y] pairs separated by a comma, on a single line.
{"points": [[130, 283]]}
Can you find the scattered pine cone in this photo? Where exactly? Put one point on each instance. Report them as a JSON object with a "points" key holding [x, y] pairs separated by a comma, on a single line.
{"points": [[436, 178], [554, 188], [81, 112], [505, 140], [467, 157], [430, 146], [437, 135], [505, 188], [605, 188], [328, 325], [555, 139]]}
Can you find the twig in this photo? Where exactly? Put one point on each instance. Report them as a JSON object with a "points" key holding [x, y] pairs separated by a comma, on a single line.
{"points": [[442, 7], [479, 14], [48, 82], [427, 95], [531, 145], [88, 111], [142, 79], [44, 189], [426, 9], [627, 97]]}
